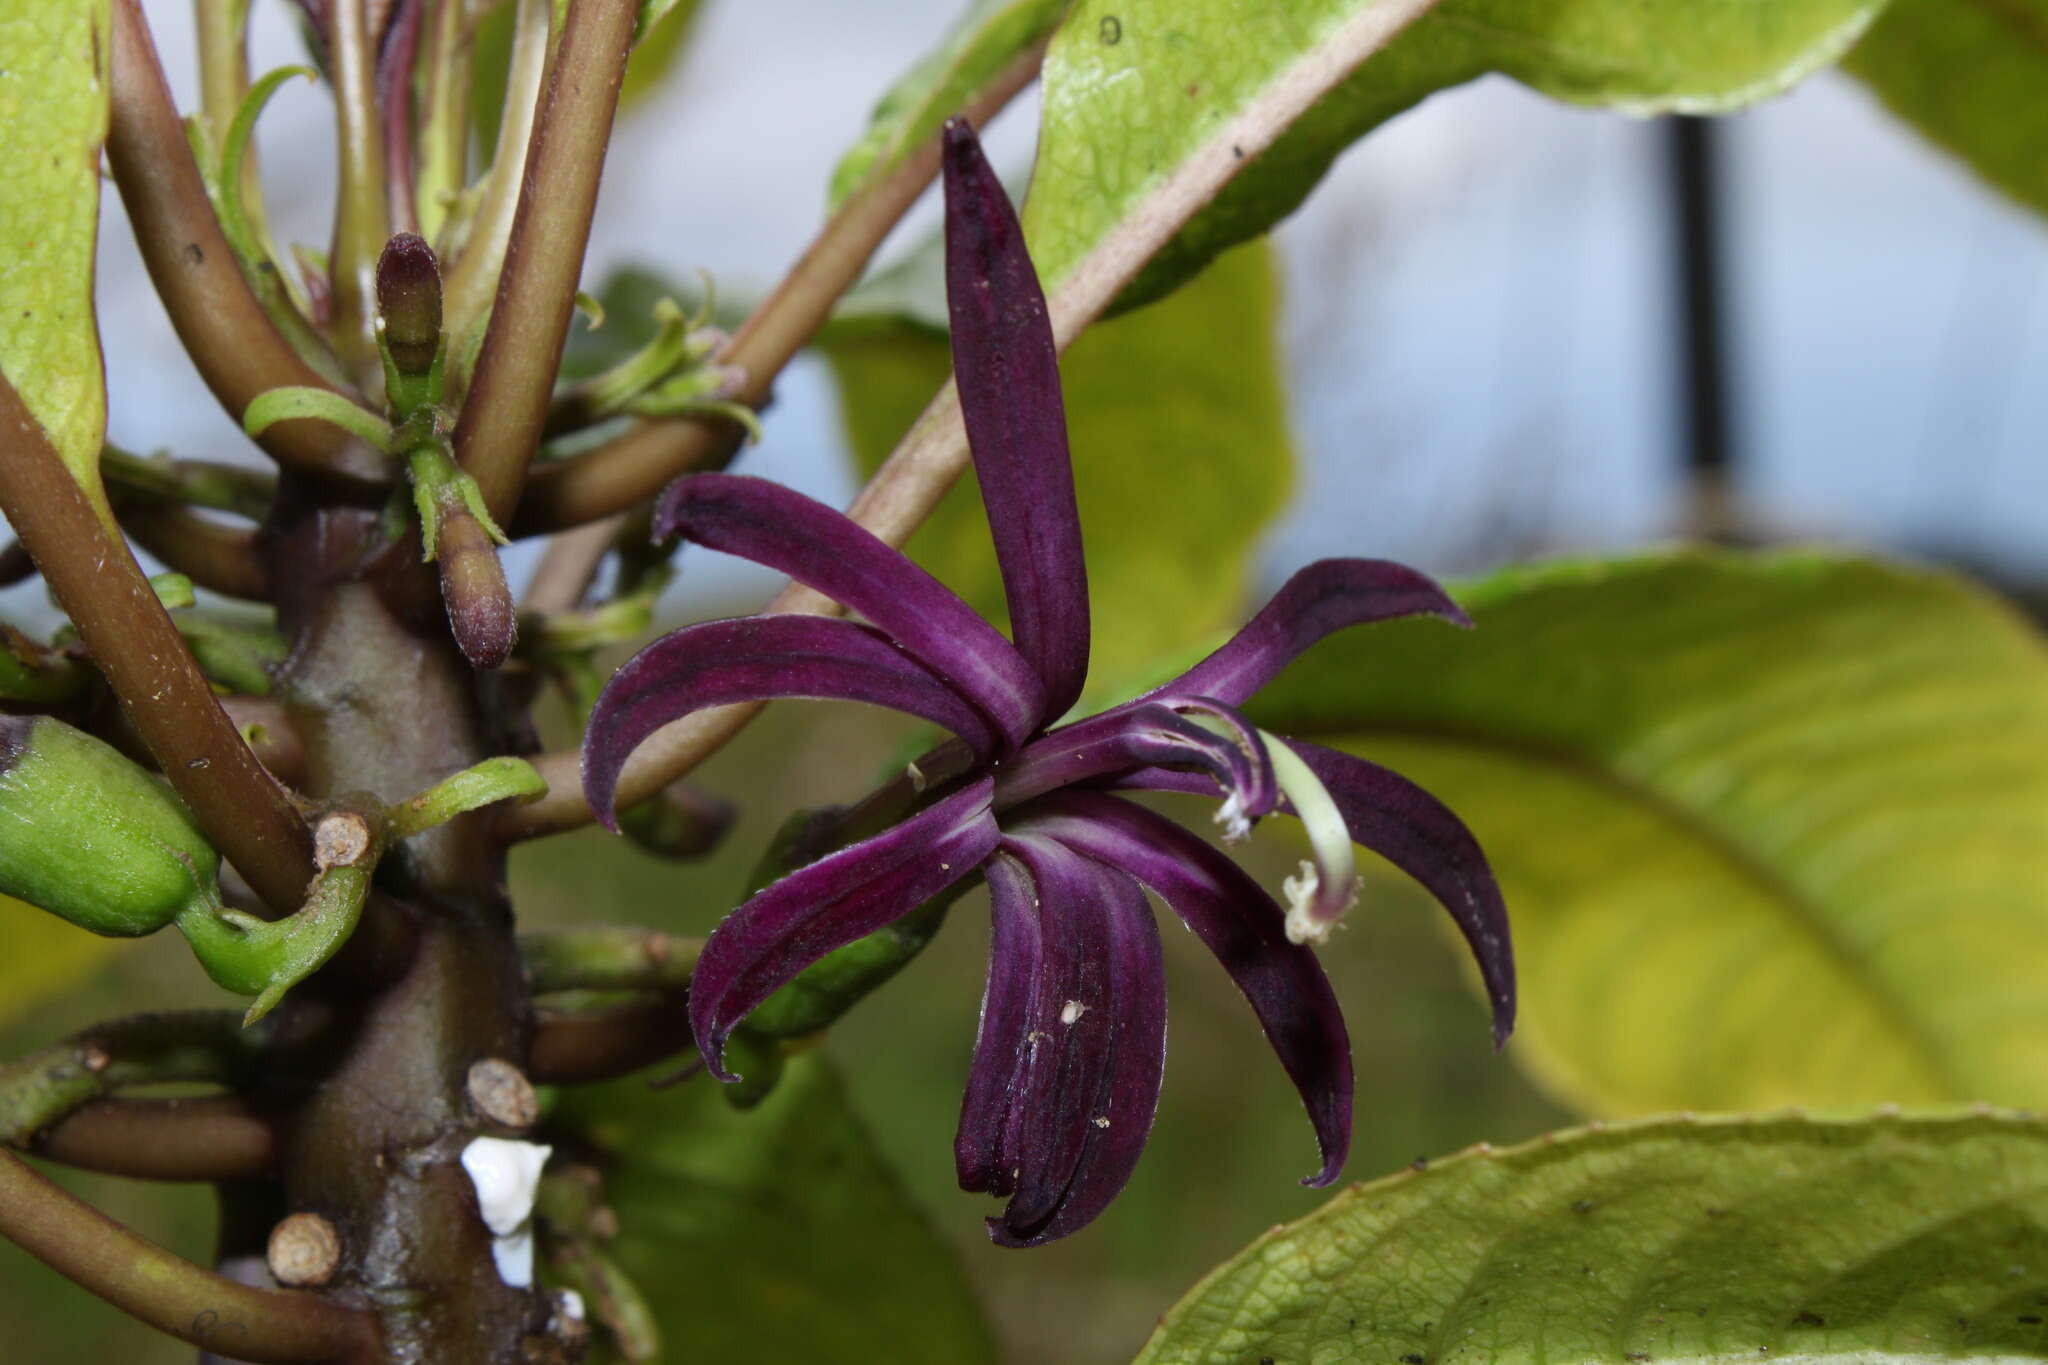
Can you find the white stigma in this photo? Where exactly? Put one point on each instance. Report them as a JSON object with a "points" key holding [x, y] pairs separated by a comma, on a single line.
{"points": [[1327, 887], [506, 1173]]}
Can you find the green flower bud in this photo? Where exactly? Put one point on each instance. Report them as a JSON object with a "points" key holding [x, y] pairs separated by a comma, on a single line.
{"points": [[91, 837]]}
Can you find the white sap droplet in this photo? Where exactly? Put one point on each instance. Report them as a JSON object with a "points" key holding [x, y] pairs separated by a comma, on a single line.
{"points": [[1072, 1011], [506, 1173], [1100, 1120], [514, 1255]]}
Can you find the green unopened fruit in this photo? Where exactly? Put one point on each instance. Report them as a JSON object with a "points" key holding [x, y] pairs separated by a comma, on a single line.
{"points": [[89, 836]]}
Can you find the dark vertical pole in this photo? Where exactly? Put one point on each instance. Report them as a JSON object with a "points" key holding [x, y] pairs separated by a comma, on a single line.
{"points": [[1693, 156]]}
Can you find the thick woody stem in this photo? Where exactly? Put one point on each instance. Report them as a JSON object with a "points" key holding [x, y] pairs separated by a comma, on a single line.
{"points": [[636, 464], [170, 1293], [506, 409], [243, 811], [234, 346]]}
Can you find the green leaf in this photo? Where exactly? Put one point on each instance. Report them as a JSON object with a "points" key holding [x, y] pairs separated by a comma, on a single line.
{"points": [[663, 38], [1973, 76], [1883, 1241], [1181, 451], [53, 104], [981, 43], [1772, 829], [774, 1234], [1139, 91], [481, 784], [295, 402]]}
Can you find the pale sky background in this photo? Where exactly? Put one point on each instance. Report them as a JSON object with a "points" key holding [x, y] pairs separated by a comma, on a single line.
{"points": [[1477, 302]]}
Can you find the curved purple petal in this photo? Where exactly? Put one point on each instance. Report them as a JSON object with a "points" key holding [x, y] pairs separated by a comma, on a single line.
{"points": [[1418, 834], [1238, 922], [1092, 1052], [752, 658], [1007, 370], [1323, 598], [1016, 963], [1145, 734], [843, 896], [760, 520]]}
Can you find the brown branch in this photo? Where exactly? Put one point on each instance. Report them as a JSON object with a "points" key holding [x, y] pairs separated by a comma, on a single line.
{"points": [[219, 558], [170, 1293], [567, 567], [191, 1046], [507, 406], [234, 346], [635, 464], [243, 811], [213, 1139], [601, 1045]]}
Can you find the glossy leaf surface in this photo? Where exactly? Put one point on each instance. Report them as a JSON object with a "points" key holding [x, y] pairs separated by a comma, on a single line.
{"points": [[985, 39], [1969, 75], [1883, 1241], [1137, 91], [53, 104]]}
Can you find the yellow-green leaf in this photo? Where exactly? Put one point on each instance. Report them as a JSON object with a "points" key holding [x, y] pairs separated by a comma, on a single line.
{"points": [[1973, 76], [1137, 92], [663, 38], [1178, 426], [1772, 829], [53, 106], [984, 40], [1878, 1241]]}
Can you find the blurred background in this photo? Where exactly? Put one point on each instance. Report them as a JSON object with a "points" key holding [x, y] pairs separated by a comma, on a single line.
{"points": [[1491, 354]]}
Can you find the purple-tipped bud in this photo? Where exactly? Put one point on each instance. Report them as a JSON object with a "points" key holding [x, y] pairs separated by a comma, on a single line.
{"points": [[409, 302], [473, 589]]}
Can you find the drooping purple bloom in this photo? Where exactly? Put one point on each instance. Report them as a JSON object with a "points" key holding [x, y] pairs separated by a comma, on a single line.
{"points": [[1066, 1069]]}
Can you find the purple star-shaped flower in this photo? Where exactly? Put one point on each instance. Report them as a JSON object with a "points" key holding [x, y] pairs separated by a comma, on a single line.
{"points": [[1066, 1070]]}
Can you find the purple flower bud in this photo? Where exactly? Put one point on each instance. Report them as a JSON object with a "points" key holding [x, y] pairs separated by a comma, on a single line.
{"points": [[409, 302], [473, 589]]}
